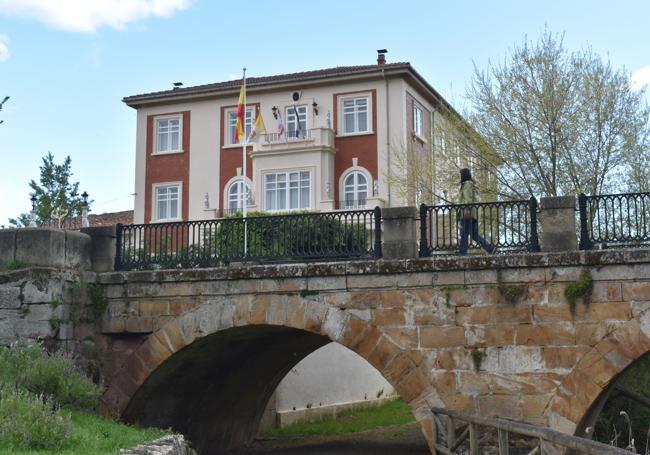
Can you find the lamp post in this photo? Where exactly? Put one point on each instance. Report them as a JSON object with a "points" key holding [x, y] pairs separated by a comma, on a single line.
{"points": [[32, 214], [84, 210]]}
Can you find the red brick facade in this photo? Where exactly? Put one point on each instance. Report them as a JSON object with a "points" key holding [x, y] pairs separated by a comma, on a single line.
{"points": [[172, 167]]}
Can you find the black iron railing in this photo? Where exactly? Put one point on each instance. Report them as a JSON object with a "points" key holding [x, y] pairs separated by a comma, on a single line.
{"points": [[507, 225], [614, 220], [293, 237]]}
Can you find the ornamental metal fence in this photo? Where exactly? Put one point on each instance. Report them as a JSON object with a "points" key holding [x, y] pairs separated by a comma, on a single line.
{"points": [[614, 220], [508, 226], [352, 234]]}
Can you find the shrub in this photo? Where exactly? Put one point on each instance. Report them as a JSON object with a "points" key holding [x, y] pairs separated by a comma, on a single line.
{"points": [[28, 421], [291, 236], [52, 375]]}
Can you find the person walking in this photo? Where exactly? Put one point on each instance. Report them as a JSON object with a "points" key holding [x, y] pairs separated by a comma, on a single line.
{"points": [[468, 217]]}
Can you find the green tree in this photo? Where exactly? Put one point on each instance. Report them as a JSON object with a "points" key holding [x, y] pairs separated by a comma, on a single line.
{"points": [[561, 122], [55, 194], [4, 100]]}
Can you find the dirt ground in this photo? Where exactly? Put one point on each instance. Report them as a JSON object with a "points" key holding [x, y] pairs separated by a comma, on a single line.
{"points": [[390, 440]]}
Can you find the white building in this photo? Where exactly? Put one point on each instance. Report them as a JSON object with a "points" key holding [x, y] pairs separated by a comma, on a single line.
{"points": [[341, 126]]}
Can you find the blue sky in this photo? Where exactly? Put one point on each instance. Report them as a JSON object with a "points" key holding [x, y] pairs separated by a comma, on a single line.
{"points": [[67, 63]]}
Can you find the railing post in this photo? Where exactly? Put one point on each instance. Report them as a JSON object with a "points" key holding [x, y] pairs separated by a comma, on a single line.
{"points": [[585, 243], [424, 244], [534, 238], [377, 246], [118, 245]]}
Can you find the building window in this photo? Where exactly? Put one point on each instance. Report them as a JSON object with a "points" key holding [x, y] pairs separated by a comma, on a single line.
{"points": [[417, 120], [232, 125], [355, 190], [355, 115], [167, 199], [287, 191], [296, 121], [168, 132], [238, 195]]}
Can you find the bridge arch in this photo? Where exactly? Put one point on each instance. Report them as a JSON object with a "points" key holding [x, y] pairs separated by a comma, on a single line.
{"points": [[213, 369], [572, 408]]}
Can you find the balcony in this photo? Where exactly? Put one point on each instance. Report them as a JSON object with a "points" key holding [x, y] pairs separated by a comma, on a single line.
{"points": [[311, 140]]}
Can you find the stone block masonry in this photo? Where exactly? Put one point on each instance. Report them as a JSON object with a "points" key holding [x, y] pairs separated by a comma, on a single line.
{"points": [[443, 331]]}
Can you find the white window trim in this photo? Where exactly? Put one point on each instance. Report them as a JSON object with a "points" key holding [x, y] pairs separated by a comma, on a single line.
{"points": [[226, 192], [286, 119], [288, 171], [154, 202], [367, 175], [226, 119], [418, 105], [352, 96], [156, 119]]}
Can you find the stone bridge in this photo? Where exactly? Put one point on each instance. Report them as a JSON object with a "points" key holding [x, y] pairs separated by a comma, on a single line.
{"points": [[201, 351]]}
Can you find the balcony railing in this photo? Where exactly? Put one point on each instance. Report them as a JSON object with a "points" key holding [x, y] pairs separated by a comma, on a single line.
{"points": [[313, 138], [292, 237], [614, 220], [352, 204], [506, 225]]}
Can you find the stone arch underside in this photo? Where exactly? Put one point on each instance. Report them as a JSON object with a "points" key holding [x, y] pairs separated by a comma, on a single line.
{"points": [[573, 407], [210, 372]]}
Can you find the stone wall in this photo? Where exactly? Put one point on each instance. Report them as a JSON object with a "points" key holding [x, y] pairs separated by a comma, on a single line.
{"points": [[490, 335]]}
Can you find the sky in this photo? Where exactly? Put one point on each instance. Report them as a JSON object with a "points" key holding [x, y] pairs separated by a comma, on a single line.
{"points": [[67, 64]]}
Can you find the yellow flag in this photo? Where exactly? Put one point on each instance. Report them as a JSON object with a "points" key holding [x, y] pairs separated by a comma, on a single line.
{"points": [[259, 127]]}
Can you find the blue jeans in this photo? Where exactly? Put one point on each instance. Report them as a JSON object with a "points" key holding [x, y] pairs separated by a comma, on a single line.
{"points": [[469, 227]]}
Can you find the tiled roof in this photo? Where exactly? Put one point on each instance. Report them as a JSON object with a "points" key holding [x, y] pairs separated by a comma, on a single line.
{"points": [[269, 80], [103, 219]]}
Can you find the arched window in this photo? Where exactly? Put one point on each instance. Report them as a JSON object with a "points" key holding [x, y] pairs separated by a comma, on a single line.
{"points": [[355, 190], [238, 195]]}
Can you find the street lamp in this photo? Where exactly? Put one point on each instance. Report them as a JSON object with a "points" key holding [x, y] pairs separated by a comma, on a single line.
{"points": [[32, 214], [84, 210]]}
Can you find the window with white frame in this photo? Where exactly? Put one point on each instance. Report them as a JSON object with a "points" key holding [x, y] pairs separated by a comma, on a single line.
{"points": [[287, 191], [417, 120], [249, 119], [355, 115], [355, 190], [167, 201], [238, 195], [296, 117], [168, 135]]}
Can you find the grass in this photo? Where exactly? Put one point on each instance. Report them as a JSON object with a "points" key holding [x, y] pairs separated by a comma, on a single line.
{"points": [[391, 413], [94, 435]]}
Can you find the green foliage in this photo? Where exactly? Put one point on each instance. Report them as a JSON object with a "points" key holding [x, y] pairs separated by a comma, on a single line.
{"points": [[97, 298], [637, 379], [53, 193], [511, 293], [52, 375], [29, 421], [392, 413], [290, 236], [580, 289], [12, 265], [561, 122]]}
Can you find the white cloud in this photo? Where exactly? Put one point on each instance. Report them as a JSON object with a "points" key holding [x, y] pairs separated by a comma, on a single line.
{"points": [[4, 48], [641, 78], [90, 15]]}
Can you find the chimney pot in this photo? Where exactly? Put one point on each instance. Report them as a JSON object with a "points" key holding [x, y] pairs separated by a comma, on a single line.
{"points": [[381, 58]]}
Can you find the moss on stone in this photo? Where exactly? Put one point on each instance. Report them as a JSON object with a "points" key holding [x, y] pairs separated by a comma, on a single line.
{"points": [[580, 289]]}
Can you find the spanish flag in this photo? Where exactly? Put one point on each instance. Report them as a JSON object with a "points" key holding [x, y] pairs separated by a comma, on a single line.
{"points": [[240, 127]]}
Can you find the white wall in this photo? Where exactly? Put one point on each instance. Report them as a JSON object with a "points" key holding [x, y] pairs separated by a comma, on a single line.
{"points": [[331, 375]]}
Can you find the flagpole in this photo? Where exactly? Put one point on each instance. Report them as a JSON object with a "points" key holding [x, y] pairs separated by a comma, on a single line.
{"points": [[244, 185]]}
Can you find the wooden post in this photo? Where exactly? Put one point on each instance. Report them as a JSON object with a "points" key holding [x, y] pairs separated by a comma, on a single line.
{"points": [[503, 442], [451, 432], [473, 440]]}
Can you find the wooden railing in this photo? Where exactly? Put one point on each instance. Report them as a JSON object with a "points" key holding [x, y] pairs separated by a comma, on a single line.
{"points": [[456, 433]]}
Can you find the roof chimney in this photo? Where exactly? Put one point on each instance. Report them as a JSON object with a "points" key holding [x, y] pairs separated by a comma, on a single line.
{"points": [[381, 58]]}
